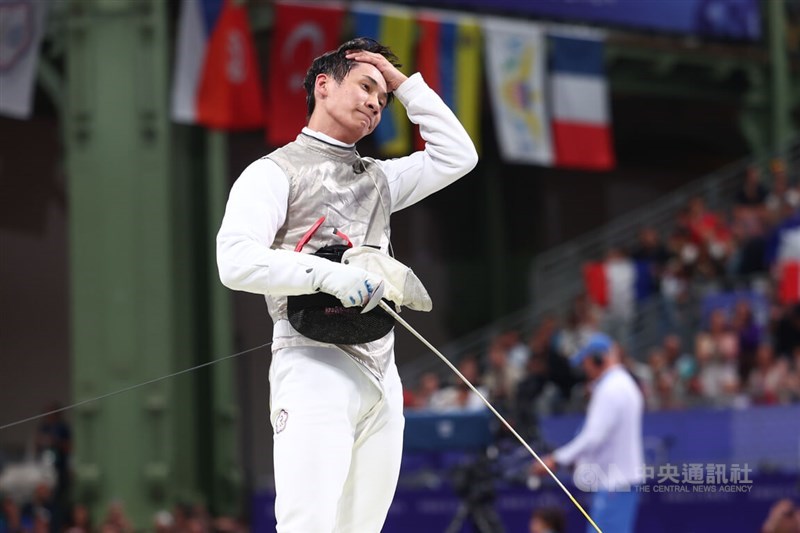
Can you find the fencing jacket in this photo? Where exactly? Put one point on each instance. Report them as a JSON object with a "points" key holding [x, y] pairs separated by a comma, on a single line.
{"points": [[277, 199]]}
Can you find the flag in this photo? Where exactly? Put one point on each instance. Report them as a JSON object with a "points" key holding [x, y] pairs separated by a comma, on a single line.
{"points": [[617, 284], [581, 118], [594, 279], [301, 32], [216, 80], [21, 30], [393, 27], [449, 58], [515, 58], [789, 282]]}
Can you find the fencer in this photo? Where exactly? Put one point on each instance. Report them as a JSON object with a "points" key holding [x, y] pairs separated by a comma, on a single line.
{"points": [[336, 409]]}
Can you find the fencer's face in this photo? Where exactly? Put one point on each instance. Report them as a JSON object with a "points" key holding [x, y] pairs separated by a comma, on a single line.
{"points": [[352, 109]]}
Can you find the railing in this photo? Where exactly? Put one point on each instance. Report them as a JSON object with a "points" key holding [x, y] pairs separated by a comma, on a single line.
{"points": [[556, 277]]}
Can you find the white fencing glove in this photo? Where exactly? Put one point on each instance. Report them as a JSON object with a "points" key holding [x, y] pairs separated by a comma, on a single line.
{"points": [[295, 273], [352, 285]]}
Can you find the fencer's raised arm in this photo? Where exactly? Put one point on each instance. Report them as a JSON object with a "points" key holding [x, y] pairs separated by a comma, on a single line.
{"points": [[448, 155], [255, 211]]}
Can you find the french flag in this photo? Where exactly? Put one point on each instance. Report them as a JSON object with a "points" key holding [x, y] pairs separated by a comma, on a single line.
{"points": [[617, 284], [579, 97], [216, 81]]}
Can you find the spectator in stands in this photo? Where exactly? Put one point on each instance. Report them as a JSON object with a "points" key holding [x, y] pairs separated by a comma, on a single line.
{"points": [[713, 239], [427, 387], [518, 351], [749, 336], [530, 395], [501, 378], [163, 522], [459, 396], [752, 192], [79, 520], [582, 321], [54, 442], [682, 366], [789, 391], [116, 521], [785, 322], [547, 520], [656, 379], [10, 516], [674, 294], [748, 227], [620, 312], [39, 511], [544, 343], [783, 241], [716, 350], [782, 192], [652, 254], [783, 517], [611, 438], [765, 380]]}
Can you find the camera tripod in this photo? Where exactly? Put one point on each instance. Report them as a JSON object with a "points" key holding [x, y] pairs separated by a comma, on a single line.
{"points": [[482, 515]]}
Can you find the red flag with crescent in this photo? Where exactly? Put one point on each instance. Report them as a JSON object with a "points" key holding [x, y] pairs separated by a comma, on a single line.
{"points": [[301, 33]]}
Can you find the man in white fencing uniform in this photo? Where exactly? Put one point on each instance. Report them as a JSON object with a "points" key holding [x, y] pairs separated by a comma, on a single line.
{"points": [[608, 452], [336, 406]]}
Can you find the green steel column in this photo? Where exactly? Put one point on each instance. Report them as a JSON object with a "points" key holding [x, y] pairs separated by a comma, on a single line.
{"points": [[779, 61], [128, 289], [226, 478]]}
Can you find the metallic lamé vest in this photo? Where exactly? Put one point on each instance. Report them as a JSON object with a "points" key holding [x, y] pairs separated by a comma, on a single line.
{"points": [[353, 195]]}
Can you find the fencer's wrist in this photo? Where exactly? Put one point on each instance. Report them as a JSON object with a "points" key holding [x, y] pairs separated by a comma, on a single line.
{"points": [[411, 87]]}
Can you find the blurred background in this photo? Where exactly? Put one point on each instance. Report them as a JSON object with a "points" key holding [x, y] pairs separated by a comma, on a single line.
{"points": [[638, 175]]}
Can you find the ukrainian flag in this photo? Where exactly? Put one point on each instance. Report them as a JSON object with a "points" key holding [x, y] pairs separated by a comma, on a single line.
{"points": [[449, 58], [393, 27]]}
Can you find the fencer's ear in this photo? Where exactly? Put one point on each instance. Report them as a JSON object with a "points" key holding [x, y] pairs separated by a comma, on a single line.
{"points": [[321, 84]]}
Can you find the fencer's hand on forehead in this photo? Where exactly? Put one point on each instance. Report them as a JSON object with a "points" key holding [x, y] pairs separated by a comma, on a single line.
{"points": [[394, 78]]}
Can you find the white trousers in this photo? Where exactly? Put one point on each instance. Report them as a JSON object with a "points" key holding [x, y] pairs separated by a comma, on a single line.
{"points": [[338, 439]]}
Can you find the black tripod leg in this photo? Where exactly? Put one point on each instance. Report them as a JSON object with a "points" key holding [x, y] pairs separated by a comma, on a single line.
{"points": [[458, 519]]}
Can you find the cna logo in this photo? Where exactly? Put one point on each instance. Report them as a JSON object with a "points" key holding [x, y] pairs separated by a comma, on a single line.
{"points": [[592, 477], [280, 421], [16, 32]]}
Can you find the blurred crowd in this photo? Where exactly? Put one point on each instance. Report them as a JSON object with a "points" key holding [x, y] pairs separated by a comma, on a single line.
{"points": [[41, 514], [36, 496], [728, 311]]}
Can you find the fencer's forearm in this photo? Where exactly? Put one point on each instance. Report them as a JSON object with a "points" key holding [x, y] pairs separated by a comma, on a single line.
{"points": [[255, 211], [449, 152], [246, 266], [249, 267]]}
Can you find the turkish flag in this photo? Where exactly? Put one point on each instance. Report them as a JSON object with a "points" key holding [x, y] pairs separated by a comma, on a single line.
{"points": [[230, 95], [301, 33]]}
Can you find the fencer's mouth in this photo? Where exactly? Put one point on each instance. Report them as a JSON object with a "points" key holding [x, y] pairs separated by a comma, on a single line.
{"points": [[368, 117]]}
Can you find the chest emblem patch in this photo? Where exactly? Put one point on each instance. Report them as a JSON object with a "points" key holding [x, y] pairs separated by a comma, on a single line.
{"points": [[280, 421]]}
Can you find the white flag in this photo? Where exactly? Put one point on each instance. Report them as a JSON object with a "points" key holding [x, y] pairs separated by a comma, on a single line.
{"points": [[21, 30], [515, 59]]}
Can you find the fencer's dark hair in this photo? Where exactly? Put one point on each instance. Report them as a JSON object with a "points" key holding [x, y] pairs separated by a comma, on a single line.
{"points": [[336, 64]]}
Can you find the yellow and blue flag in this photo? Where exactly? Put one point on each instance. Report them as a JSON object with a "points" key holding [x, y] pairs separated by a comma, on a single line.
{"points": [[393, 27], [449, 58]]}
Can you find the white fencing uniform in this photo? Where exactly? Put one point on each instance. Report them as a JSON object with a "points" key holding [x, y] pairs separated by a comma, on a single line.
{"points": [[336, 410]]}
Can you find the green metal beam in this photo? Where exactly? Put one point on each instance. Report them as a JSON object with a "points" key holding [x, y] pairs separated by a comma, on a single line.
{"points": [[131, 263], [779, 67]]}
